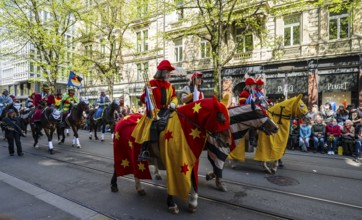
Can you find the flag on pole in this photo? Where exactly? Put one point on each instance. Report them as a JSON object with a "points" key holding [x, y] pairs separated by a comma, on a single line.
{"points": [[196, 94], [74, 80], [248, 100]]}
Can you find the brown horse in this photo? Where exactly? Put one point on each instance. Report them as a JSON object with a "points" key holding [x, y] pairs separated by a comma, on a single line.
{"points": [[108, 118], [74, 120], [180, 145]]}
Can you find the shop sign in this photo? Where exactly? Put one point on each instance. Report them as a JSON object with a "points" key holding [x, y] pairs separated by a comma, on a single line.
{"points": [[338, 82], [293, 85]]}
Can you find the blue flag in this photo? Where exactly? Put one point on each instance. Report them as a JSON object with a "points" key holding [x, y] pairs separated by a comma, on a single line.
{"points": [[74, 80]]}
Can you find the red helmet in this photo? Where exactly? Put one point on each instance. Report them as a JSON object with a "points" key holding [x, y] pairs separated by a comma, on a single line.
{"points": [[259, 82], [249, 81], [165, 65], [196, 74]]}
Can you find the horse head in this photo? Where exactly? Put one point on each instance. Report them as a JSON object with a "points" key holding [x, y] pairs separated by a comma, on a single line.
{"points": [[210, 115], [115, 106], [300, 110]]}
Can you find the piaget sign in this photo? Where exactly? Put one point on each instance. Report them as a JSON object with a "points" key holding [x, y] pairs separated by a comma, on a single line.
{"points": [[341, 86], [338, 82]]}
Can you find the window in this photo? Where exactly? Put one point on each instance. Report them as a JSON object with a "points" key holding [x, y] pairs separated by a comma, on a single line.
{"points": [[291, 30], [205, 49], [338, 25], [88, 50], [103, 48], [142, 68], [179, 9], [142, 41], [244, 41], [178, 50], [142, 8]]}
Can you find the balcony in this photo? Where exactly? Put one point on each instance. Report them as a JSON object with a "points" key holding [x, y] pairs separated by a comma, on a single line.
{"points": [[243, 56]]}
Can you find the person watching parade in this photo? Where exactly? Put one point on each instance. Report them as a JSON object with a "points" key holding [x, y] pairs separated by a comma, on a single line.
{"points": [[188, 91], [164, 96], [248, 89], [13, 132]]}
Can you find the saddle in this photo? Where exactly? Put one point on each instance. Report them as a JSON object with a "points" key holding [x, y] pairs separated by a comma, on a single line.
{"points": [[159, 125], [56, 115], [26, 113]]}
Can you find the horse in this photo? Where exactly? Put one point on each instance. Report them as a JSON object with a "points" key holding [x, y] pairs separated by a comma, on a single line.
{"points": [[74, 120], [50, 119], [26, 115], [180, 146], [108, 118], [272, 148], [241, 119], [6, 109]]}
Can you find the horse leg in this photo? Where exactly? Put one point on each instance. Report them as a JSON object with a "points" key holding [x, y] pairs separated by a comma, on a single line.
{"points": [[75, 130], [274, 167], [114, 187], [139, 187], [90, 132], [103, 131], [95, 131], [281, 164], [49, 133], [266, 167], [172, 206], [34, 131], [193, 195]]}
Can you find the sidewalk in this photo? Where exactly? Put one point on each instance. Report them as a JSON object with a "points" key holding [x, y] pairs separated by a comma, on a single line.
{"points": [[21, 200]]}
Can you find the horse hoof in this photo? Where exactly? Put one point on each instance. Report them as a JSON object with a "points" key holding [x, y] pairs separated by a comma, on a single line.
{"points": [[67, 134], [90, 138], [174, 209], [158, 177], [192, 208], [114, 189], [210, 176], [221, 187], [59, 142], [36, 146], [96, 139], [102, 140], [72, 145], [51, 151], [79, 146], [141, 192]]}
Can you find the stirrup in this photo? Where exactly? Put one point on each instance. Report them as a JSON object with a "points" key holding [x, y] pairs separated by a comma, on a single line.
{"points": [[144, 155]]}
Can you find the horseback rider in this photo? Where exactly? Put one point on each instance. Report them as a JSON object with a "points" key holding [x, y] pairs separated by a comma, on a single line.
{"points": [[29, 103], [248, 89], [164, 97], [260, 98], [66, 103], [189, 91], [58, 100], [103, 101], [5, 100], [41, 101]]}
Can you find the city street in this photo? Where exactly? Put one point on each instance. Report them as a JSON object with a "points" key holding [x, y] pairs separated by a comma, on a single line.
{"points": [[75, 184]]}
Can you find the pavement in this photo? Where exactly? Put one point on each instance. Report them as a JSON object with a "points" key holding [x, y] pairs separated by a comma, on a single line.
{"points": [[23, 198]]}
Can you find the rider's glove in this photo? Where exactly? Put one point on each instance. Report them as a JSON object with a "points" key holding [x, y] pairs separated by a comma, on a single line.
{"points": [[173, 106]]}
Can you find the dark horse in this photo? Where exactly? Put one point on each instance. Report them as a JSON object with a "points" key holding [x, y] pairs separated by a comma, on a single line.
{"points": [[184, 134], [108, 118], [74, 120], [26, 115], [49, 120]]}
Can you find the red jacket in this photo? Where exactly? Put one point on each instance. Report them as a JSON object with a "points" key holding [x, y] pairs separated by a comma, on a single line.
{"points": [[49, 100], [156, 90], [333, 130]]}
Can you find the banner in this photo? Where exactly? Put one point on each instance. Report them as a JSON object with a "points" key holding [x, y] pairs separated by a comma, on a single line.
{"points": [[74, 80]]}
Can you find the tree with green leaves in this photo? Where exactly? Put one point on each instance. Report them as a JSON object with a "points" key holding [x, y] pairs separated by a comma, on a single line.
{"points": [[104, 36], [42, 32]]}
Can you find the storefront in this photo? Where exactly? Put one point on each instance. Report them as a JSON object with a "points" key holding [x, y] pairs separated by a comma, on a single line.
{"points": [[338, 89]]}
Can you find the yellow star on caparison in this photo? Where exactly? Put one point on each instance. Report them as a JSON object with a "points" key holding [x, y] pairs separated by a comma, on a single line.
{"points": [[117, 136], [197, 107], [130, 144], [125, 163], [195, 133], [141, 167], [138, 120]]}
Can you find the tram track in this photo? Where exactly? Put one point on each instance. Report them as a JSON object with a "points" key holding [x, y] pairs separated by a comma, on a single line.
{"points": [[204, 197]]}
